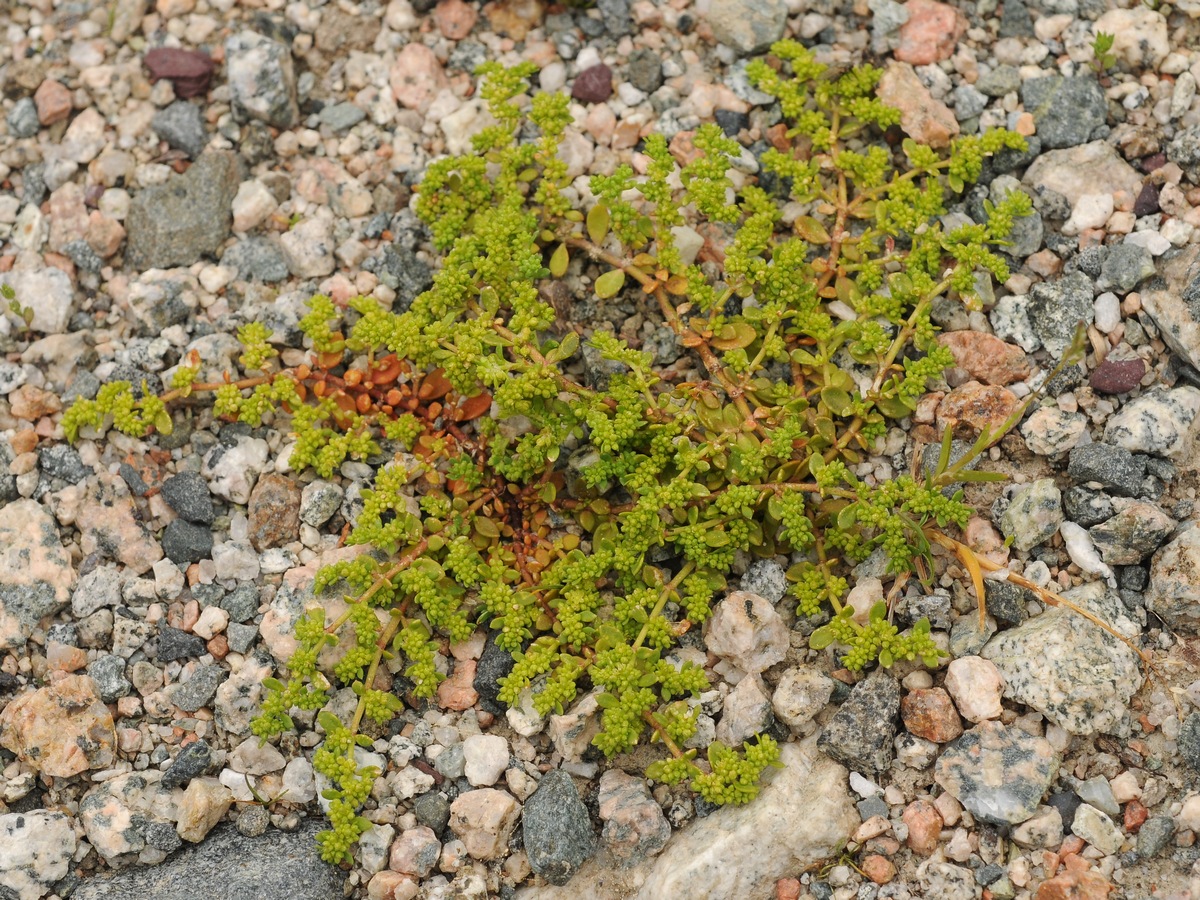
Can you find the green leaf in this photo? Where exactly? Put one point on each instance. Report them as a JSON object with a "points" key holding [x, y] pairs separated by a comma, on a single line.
{"points": [[895, 407], [608, 284], [559, 260], [329, 721], [847, 517], [944, 456], [981, 476], [597, 222], [837, 401], [821, 638], [607, 701], [811, 230]]}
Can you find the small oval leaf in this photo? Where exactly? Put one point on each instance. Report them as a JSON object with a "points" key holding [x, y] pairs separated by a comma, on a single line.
{"points": [[559, 260], [597, 222], [609, 284]]}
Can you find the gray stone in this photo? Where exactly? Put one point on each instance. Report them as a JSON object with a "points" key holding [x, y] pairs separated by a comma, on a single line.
{"points": [[192, 760], [1098, 793], [1006, 602], [189, 217], [1087, 507], [618, 21], [1125, 267], [341, 116], [747, 26], [766, 578], [644, 70], [1133, 533], [401, 270], [860, 733], [63, 461], [174, 644], [1056, 309], [163, 836], [999, 81], [887, 17], [1015, 20], [108, 672], [319, 501], [433, 811], [934, 607], [198, 690], [242, 602], [187, 494], [22, 119], [240, 637], [185, 543], [1154, 835], [1175, 308], [1069, 669], [1065, 110], [968, 102], [558, 832], [257, 259], [181, 125], [1114, 468], [253, 821], [262, 80], [277, 866], [85, 258], [997, 772]]}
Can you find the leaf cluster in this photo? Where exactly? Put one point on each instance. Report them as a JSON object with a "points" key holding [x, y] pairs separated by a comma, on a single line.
{"points": [[592, 523]]}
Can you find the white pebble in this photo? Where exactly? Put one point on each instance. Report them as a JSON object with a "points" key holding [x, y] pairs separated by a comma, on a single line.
{"points": [[1108, 312], [1083, 553]]}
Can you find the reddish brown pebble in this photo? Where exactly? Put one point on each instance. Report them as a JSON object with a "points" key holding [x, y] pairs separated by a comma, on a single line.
{"points": [[924, 826], [593, 85], [1117, 376], [23, 441], [972, 406], [455, 19], [1085, 886], [53, 101], [274, 511], [1153, 162], [878, 868], [189, 71], [1135, 816], [986, 357], [931, 32], [787, 889], [218, 646], [930, 714]]}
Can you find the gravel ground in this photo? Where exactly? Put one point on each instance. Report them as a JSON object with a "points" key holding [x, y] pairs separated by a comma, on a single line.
{"points": [[170, 172]]}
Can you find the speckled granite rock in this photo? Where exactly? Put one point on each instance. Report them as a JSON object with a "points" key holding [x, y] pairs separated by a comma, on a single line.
{"points": [[860, 733], [1175, 308], [1174, 591], [557, 831], [36, 575], [277, 866], [1069, 669], [36, 849], [1033, 515], [1161, 422], [999, 773], [746, 630]]}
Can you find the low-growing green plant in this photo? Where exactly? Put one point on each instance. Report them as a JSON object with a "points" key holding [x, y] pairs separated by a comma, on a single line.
{"points": [[1103, 58], [591, 523]]}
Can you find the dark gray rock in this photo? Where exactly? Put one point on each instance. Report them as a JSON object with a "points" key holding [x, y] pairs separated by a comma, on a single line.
{"points": [[493, 665], [257, 259], [186, 543], [618, 21], [1087, 507], [1125, 267], [1114, 468], [433, 811], [965, 637], [228, 866], [1136, 531], [1189, 741], [241, 603], [1006, 602], [999, 81], [85, 258], [968, 102], [163, 836], [253, 821], [175, 644], [193, 760], [240, 637], [860, 733], [1065, 110], [109, 674], [1015, 20], [341, 116], [644, 70], [189, 217], [557, 829], [934, 607], [181, 125], [187, 493], [1155, 834], [63, 461], [198, 690], [22, 119], [401, 270], [1056, 309]]}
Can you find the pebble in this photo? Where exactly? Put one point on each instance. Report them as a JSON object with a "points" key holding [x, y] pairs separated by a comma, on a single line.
{"points": [[1069, 669], [1170, 307], [484, 820], [1033, 515], [274, 511], [1139, 36], [181, 125], [799, 695], [192, 761], [1050, 430], [415, 852], [187, 494], [1056, 308], [61, 729], [976, 686], [262, 80], [1000, 774], [747, 26], [1097, 829], [556, 829], [1161, 422], [1135, 531], [931, 33], [860, 733], [189, 71], [1066, 111], [746, 630], [1173, 594], [924, 824], [593, 85], [930, 714], [987, 358], [1117, 376], [921, 116], [486, 757], [36, 851], [1114, 468], [53, 102], [36, 575], [635, 828]]}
